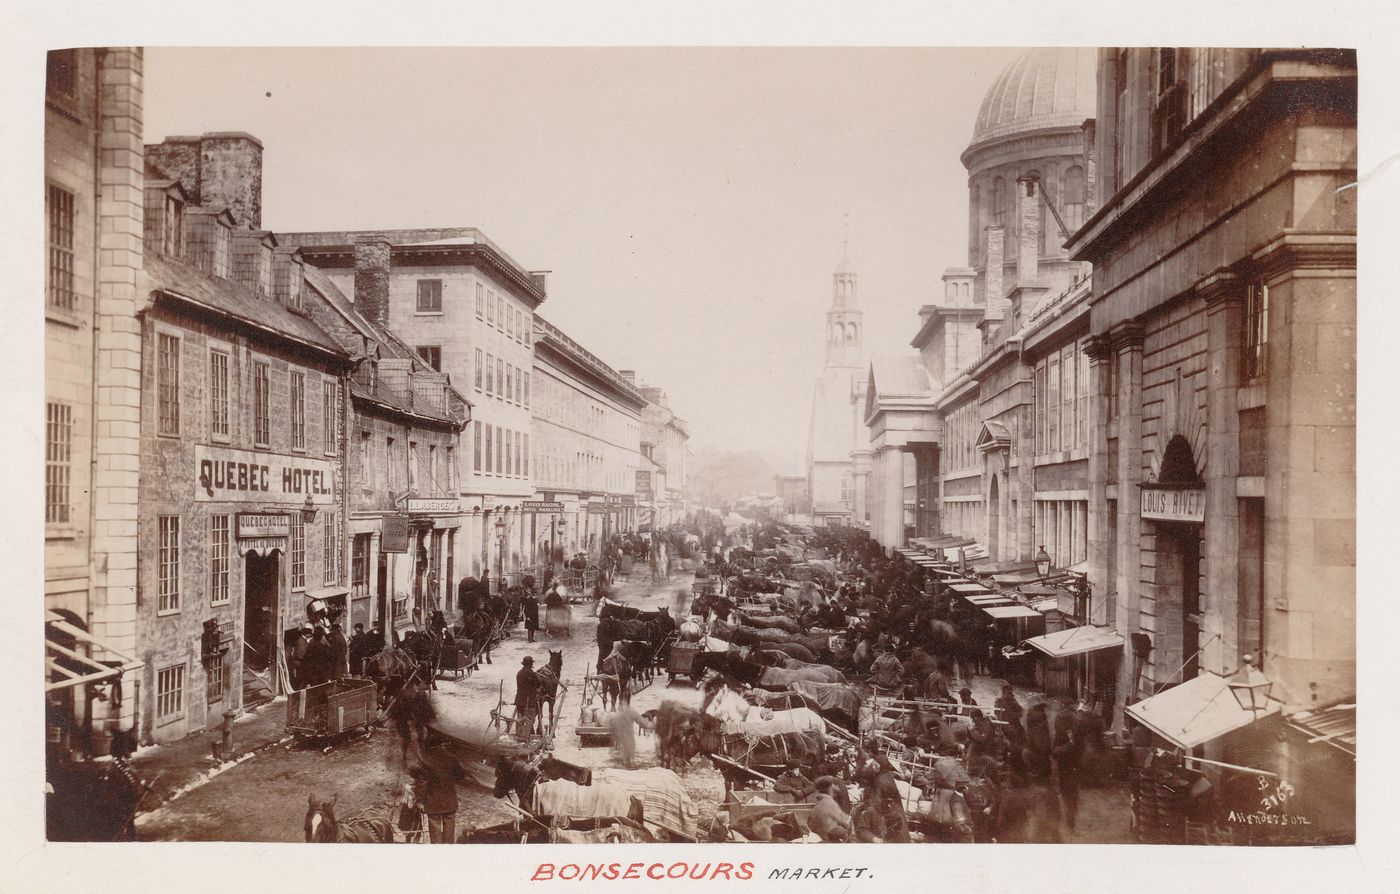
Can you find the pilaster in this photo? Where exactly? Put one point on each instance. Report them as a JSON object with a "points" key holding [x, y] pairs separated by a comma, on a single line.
{"points": [[1126, 340], [1103, 608]]}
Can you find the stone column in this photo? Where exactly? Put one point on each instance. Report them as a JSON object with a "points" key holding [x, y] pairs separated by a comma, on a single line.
{"points": [[116, 479], [1100, 354], [893, 487], [1126, 339], [1025, 483], [1223, 295]]}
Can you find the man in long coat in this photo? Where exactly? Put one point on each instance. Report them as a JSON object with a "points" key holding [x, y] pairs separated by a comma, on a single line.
{"points": [[527, 697], [530, 608]]}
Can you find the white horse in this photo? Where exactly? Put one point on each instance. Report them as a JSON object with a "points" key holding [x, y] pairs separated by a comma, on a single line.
{"points": [[739, 716]]}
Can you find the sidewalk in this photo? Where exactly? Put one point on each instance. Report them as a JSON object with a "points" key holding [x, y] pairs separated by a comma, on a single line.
{"points": [[173, 768]]}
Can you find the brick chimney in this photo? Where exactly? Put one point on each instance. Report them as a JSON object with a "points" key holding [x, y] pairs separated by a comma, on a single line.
{"points": [[372, 265], [1028, 209], [993, 288]]}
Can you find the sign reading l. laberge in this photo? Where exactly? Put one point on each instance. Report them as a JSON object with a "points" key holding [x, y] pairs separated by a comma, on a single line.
{"points": [[432, 504], [1174, 504], [226, 474]]}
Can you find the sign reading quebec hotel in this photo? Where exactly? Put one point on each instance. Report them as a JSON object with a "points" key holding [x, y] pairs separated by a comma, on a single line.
{"points": [[228, 475], [1174, 504]]}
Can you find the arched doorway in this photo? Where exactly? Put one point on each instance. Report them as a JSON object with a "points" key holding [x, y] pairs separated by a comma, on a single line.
{"points": [[1178, 571]]}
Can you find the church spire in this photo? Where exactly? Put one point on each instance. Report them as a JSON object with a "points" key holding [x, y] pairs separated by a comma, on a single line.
{"points": [[845, 329]]}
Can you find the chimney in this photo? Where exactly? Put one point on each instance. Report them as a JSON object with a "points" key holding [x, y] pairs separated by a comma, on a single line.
{"points": [[1028, 261], [218, 170], [372, 267], [629, 374], [994, 293], [1091, 193], [540, 280]]}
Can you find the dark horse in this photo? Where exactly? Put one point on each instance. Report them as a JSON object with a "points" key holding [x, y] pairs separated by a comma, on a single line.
{"points": [[322, 827], [390, 670], [617, 680], [550, 679]]}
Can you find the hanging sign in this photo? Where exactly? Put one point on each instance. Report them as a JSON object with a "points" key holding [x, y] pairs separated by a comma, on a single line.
{"points": [[226, 474], [1174, 504], [541, 506], [430, 504], [263, 524], [643, 487], [393, 537]]}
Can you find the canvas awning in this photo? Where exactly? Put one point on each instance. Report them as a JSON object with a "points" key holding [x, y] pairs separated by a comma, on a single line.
{"points": [[1335, 726], [1003, 612], [987, 600], [1196, 712], [1076, 641], [970, 589], [76, 668]]}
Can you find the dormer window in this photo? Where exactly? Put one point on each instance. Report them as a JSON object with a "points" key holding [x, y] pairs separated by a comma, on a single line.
{"points": [[174, 225]]}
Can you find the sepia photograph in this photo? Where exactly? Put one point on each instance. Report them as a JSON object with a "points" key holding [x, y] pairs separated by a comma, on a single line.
{"points": [[709, 445]]}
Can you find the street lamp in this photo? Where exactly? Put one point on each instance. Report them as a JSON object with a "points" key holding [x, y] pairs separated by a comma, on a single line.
{"points": [[1250, 687], [1042, 564], [500, 550]]}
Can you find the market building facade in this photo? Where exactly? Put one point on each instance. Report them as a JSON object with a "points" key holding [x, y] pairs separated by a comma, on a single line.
{"points": [[587, 448]]}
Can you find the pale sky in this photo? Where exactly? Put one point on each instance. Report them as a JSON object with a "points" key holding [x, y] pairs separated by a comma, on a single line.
{"points": [[690, 202]]}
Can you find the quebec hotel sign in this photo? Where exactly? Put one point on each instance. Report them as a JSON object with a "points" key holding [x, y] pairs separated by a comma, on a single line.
{"points": [[1174, 503], [223, 474]]}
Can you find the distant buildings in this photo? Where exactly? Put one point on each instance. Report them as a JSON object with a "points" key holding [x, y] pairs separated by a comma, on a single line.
{"points": [[665, 451]]}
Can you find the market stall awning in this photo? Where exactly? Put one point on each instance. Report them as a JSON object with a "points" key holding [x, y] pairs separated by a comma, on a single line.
{"points": [[1003, 612], [987, 600], [1196, 711], [969, 589], [1335, 726], [73, 667], [1077, 641], [1015, 578]]}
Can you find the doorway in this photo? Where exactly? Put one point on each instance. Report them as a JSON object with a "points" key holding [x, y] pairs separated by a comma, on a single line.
{"points": [[1179, 598], [381, 591], [994, 520], [261, 578]]}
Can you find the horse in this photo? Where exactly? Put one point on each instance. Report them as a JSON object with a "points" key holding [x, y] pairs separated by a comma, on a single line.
{"points": [[515, 775], [617, 680], [550, 679], [479, 628], [390, 670], [322, 827], [426, 650], [638, 654]]}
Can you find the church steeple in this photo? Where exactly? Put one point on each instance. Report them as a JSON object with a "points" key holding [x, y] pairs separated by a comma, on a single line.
{"points": [[844, 326]]}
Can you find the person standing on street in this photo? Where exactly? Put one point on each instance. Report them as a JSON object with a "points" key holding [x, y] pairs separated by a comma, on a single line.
{"points": [[530, 608], [358, 649], [438, 777], [527, 687], [340, 653]]}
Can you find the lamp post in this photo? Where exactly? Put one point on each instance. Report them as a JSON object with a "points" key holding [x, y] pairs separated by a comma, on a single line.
{"points": [[500, 550], [1250, 687], [1042, 564]]}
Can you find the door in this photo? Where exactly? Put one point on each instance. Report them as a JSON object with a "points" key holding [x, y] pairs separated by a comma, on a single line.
{"points": [[261, 576], [381, 591], [1190, 546]]}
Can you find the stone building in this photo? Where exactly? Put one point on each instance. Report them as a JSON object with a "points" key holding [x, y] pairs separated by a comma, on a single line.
{"points": [[466, 307], [665, 450], [981, 431], [837, 459], [1223, 350], [403, 430], [587, 446], [93, 243], [242, 442]]}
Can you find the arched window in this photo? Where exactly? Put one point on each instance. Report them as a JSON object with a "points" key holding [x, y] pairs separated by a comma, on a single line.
{"points": [[963, 290], [1074, 194], [1178, 463], [851, 334], [999, 202]]}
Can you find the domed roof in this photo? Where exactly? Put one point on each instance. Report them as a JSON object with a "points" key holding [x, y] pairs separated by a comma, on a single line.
{"points": [[1045, 87]]}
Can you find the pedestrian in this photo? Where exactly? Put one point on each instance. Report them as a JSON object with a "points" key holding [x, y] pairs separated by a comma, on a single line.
{"points": [[358, 650], [886, 672], [318, 661], [527, 687], [530, 607], [1068, 753], [965, 695], [296, 666], [340, 653], [439, 774]]}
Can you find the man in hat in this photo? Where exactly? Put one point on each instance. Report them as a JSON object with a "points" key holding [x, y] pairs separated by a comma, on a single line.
{"points": [[295, 667], [527, 689], [965, 695]]}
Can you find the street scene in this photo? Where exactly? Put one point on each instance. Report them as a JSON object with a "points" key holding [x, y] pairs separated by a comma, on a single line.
{"points": [[823, 474]]}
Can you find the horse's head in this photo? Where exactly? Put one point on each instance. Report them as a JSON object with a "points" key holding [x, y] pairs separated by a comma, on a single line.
{"points": [[556, 661], [321, 825]]}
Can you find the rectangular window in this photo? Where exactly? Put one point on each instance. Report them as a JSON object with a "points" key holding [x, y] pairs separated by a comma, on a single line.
{"points": [[490, 440], [432, 355], [168, 564], [58, 464], [62, 72], [170, 692], [510, 323], [480, 300], [501, 377], [500, 452], [520, 387], [432, 468], [525, 456], [298, 410], [262, 413], [413, 466], [490, 374], [476, 447], [328, 551], [330, 415], [1199, 83], [525, 388], [217, 678], [501, 311], [1081, 424], [174, 223], [451, 464], [168, 383], [218, 394], [429, 296], [298, 552], [491, 308], [1052, 405], [1256, 331], [222, 238], [1111, 375], [218, 558], [390, 465], [478, 369], [519, 464], [61, 212], [359, 566], [510, 381]]}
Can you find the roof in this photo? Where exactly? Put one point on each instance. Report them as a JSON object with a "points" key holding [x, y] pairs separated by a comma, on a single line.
{"points": [[1077, 641], [236, 301], [1335, 725], [1043, 88], [900, 374], [1003, 612], [1196, 712]]}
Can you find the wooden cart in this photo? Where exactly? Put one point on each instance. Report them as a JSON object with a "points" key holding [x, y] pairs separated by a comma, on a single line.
{"points": [[681, 660], [332, 709]]}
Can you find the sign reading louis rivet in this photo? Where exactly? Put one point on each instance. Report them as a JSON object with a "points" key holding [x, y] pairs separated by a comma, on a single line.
{"points": [[1174, 504], [225, 474]]}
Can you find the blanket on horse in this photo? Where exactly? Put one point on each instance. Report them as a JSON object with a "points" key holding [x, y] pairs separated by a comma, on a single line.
{"points": [[795, 720], [781, 676], [562, 798], [829, 696], [665, 802]]}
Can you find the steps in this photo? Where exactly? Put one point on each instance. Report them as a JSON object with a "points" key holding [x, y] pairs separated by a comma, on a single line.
{"points": [[256, 689]]}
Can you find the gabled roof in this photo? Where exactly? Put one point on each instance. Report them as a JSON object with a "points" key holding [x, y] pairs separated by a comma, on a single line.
{"points": [[993, 436]]}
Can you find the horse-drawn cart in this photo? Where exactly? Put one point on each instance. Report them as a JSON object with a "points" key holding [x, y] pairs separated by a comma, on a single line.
{"points": [[682, 659], [333, 708]]}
